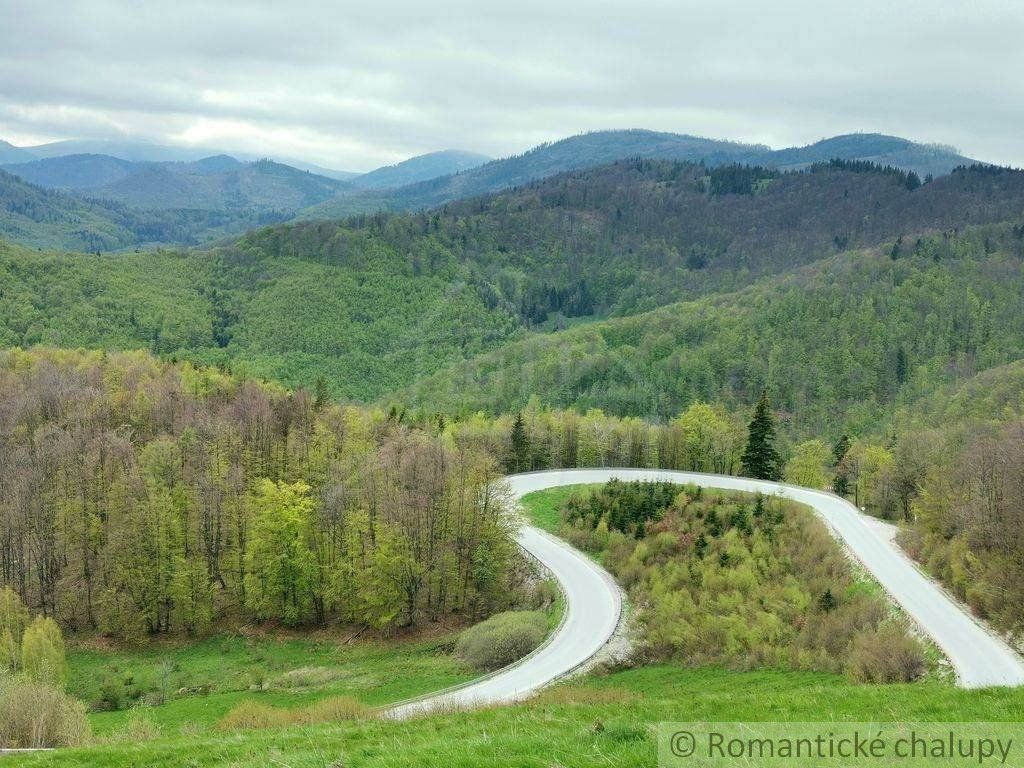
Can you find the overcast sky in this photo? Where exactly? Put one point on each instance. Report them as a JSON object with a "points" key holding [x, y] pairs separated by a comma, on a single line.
{"points": [[356, 85]]}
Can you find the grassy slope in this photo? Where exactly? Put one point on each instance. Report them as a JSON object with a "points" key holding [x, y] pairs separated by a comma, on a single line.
{"points": [[561, 726], [544, 508], [229, 666]]}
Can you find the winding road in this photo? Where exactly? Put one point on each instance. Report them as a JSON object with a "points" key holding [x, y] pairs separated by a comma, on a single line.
{"points": [[594, 602]]}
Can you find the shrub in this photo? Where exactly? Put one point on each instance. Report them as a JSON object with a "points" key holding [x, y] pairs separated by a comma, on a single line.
{"points": [[502, 639], [544, 594], [13, 620], [111, 694], [305, 677], [139, 727], [336, 709], [886, 655], [253, 715], [35, 714], [42, 652]]}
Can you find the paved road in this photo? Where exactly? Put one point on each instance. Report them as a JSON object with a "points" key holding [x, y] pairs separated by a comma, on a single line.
{"points": [[592, 609], [593, 601]]}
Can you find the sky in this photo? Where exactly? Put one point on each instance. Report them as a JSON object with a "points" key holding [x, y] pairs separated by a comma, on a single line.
{"points": [[354, 86]]}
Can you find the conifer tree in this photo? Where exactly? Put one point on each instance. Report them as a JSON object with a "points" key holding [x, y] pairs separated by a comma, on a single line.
{"points": [[519, 449], [760, 459]]}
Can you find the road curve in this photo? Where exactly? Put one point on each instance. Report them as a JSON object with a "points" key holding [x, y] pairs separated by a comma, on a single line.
{"points": [[593, 604], [593, 601]]}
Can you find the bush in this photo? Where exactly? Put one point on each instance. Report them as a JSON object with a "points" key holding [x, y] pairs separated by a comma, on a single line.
{"points": [[886, 655], [13, 620], [139, 727], [253, 715], [42, 652], [502, 639], [34, 714], [305, 677]]}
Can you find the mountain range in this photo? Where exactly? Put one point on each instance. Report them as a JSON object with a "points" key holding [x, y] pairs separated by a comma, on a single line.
{"points": [[597, 148]]}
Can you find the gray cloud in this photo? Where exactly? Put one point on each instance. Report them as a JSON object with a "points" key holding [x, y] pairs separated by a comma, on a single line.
{"points": [[354, 87]]}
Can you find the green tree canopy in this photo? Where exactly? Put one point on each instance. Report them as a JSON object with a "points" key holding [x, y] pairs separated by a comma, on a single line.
{"points": [[280, 567]]}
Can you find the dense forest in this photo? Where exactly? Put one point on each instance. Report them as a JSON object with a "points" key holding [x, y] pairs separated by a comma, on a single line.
{"points": [[139, 497], [377, 303], [838, 343]]}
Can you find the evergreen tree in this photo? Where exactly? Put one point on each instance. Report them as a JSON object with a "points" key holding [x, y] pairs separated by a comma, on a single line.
{"points": [[320, 394], [760, 459], [519, 448], [841, 481], [840, 448], [901, 365]]}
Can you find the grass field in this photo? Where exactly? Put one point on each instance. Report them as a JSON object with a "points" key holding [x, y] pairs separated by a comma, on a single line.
{"points": [[201, 682], [543, 508], [602, 720]]}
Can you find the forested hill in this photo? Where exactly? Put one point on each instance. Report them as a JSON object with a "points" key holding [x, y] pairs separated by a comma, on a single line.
{"points": [[601, 147], [638, 234], [44, 218], [420, 168], [839, 343], [375, 304], [217, 183]]}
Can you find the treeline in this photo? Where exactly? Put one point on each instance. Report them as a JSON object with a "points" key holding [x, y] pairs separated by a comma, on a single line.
{"points": [[739, 581], [703, 438], [908, 179], [139, 497]]}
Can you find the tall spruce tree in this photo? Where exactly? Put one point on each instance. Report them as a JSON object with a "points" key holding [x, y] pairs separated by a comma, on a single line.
{"points": [[519, 446], [760, 459]]}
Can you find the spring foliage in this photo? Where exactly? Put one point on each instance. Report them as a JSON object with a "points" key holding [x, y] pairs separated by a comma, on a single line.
{"points": [[737, 581], [176, 498]]}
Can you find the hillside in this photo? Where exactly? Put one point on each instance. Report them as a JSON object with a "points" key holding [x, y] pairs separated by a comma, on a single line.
{"points": [[923, 159], [216, 183], [12, 154], [584, 151], [366, 328], [420, 168], [598, 148], [838, 343], [73, 172], [50, 219], [265, 191], [376, 304]]}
